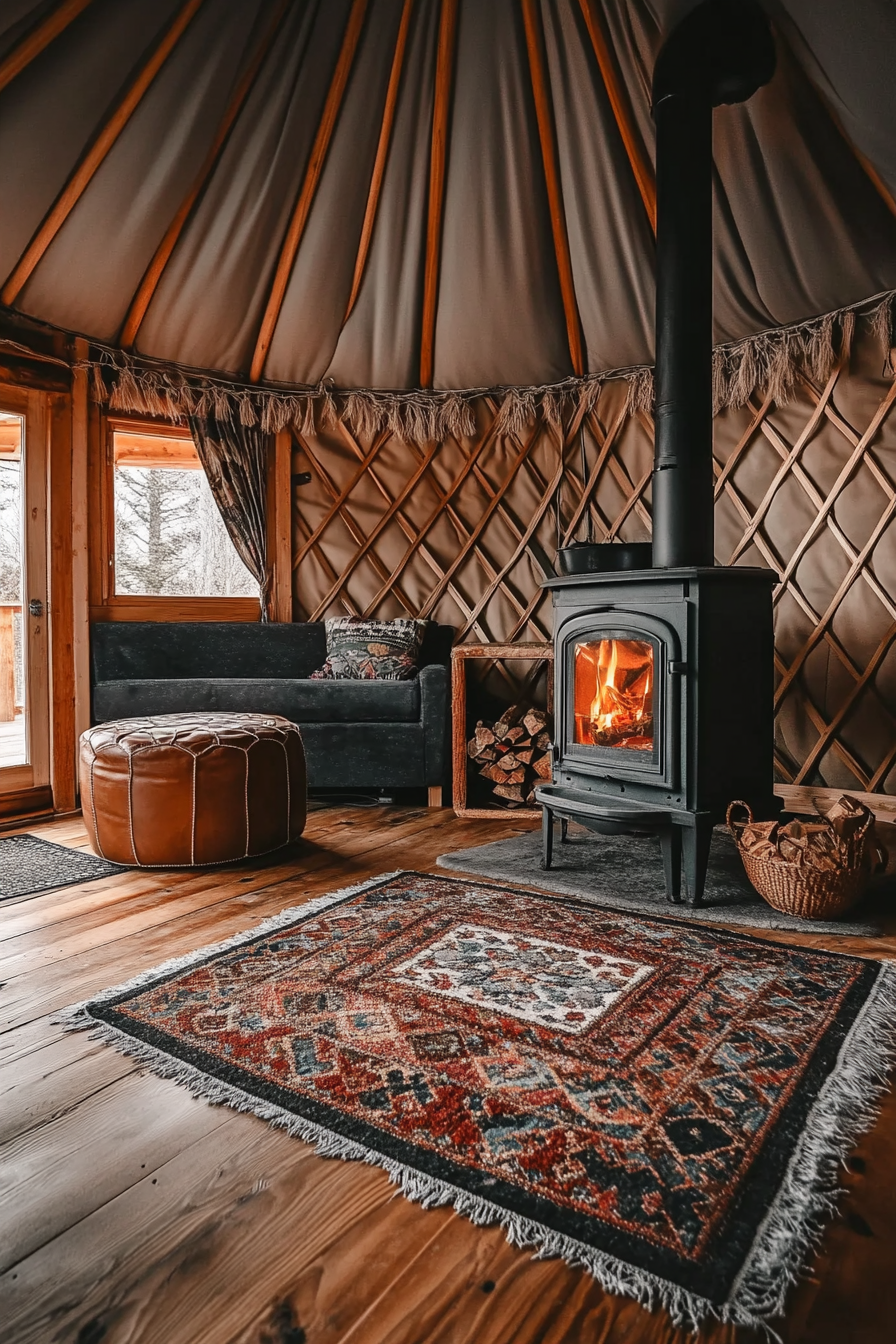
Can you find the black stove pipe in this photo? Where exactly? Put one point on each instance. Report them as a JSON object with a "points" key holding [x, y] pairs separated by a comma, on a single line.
{"points": [[722, 52]]}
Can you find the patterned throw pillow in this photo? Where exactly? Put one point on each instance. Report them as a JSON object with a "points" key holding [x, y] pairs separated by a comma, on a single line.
{"points": [[364, 650]]}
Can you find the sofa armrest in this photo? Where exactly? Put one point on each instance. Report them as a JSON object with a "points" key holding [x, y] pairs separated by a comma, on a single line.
{"points": [[434, 717]]}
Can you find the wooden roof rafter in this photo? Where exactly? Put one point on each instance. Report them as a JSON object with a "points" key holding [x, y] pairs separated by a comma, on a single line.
{"points": [[547, 138], [308, 189], [641, 167], [153, 273], [382, 154], [97, 152], [39, 38], [438, 162]]}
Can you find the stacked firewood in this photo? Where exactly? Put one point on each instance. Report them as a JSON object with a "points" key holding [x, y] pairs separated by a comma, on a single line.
{"points": [[513, 753]]}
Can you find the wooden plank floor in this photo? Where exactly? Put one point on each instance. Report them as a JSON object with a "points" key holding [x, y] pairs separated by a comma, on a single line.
{"points": [[131, 1212]]}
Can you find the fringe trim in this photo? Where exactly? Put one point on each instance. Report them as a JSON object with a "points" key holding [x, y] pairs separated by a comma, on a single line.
{"points": [[769, 362], [844, 1110]]}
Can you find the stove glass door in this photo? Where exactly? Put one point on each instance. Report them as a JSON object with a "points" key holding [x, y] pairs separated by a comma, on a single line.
{"points": [[613, 690]]}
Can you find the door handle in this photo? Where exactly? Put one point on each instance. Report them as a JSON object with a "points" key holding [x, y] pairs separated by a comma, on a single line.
{"points": [[35, 607]]}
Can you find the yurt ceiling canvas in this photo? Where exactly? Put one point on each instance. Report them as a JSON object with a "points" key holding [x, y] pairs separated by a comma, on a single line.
{"points": [[414, 194]]}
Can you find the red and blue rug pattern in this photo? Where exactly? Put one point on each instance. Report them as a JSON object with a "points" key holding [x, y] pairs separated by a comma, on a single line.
{"points": [[661, 1102]]}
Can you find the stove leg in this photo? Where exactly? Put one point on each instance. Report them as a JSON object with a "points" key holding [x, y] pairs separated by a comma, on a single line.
{"points": [[697, 840], [670, 843], [547, 836], [564, 827]]}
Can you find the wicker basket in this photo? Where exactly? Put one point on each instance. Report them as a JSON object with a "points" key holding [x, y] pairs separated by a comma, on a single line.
{"points": [[808, 893]]}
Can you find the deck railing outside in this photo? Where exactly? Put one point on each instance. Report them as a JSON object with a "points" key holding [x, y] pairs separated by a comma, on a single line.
{"points": [[8, 705]]}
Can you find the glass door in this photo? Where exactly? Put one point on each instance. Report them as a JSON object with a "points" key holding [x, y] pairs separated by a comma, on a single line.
{"points": [[24, 697]]}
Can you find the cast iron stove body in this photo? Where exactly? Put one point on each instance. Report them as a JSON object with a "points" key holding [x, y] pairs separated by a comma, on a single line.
{"points": [[664, 676], [663, 705]]}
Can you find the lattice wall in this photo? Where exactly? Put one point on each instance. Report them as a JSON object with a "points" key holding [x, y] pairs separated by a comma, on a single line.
{"points": [[463, 531]]}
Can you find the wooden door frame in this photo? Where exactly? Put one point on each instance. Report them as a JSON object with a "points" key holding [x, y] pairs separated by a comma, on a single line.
{"points": [[27, 788]]}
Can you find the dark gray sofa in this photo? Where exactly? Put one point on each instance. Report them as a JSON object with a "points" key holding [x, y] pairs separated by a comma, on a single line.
{"points": [[357, 734]]}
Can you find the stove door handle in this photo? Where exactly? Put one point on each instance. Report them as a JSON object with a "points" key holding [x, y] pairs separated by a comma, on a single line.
{"points": [[677, 668]]}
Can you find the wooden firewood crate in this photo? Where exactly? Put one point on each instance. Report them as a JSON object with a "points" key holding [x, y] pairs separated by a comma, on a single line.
{"points": [[512, 758]]}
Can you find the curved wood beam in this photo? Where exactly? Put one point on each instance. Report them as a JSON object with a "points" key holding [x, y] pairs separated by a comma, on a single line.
{"points": [[308, 189], [437, 162], [640, 164], [80, 179], [153, 273], [546, 135], [33, 43], [382, 153]]}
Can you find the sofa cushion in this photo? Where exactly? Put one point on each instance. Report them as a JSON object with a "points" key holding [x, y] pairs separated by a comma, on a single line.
{"points": [[299, 700], [150, 650], [361, 649]]}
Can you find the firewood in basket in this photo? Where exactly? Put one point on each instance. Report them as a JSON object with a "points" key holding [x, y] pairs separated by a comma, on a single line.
{"points": [[525, 754], [494, 773], [512, 792], [543, 740], [481, 751], [508, 761], [543, 766]]}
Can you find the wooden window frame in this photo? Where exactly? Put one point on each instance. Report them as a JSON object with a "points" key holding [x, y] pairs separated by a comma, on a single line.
{"points": [[105, 603]]}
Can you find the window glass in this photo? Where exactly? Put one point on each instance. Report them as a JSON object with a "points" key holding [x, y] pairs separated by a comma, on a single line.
{"points": [[170, 539], [13, 738]]}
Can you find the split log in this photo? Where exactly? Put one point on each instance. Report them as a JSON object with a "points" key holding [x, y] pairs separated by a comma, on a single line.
{"points": [[482, 742], [534, 721], [543, 766], [509, 719]]}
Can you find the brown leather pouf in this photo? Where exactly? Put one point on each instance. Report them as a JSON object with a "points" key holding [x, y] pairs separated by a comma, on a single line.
{"points": [[173, 790]]}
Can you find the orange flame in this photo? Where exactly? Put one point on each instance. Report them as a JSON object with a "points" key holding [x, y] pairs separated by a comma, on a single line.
{"points": [[618, 698]]}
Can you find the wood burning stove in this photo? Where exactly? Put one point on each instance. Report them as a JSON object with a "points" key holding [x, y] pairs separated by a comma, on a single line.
{"points": [[663, 706], [663, 676]]}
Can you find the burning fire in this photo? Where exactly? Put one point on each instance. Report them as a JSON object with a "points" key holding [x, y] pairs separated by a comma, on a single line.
{"points": [[614, 694]]}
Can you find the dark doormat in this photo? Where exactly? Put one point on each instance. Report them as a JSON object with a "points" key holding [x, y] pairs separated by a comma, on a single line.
{"points": [[625, 872], [29, 865]]}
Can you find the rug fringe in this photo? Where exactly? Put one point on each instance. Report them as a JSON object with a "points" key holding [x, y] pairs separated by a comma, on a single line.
{"points": [[845, 1108]]}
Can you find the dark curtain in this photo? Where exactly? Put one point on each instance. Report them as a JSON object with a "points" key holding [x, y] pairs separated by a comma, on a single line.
{"points": [[234, 457]]}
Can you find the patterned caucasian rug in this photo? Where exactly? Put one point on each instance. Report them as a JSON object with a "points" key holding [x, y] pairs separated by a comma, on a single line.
{"points": [[662, 1103]]}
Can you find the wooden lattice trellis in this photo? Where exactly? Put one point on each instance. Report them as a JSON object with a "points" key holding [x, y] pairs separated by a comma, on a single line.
{"points": [[464, 531]]}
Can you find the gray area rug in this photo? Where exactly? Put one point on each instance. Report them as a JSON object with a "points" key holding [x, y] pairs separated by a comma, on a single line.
{"points": [[625, 872], [29, 865]]}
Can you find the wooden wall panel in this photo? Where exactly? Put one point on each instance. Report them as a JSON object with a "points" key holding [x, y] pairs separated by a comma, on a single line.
{"points": [[465, 531]]}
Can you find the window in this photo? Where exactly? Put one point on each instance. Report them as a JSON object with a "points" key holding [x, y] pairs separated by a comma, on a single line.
{"points": [[169, 538], [13, 744]]}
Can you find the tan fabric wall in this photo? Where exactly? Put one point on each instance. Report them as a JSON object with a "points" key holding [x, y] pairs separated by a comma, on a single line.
{"points": [[463, 531]]}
